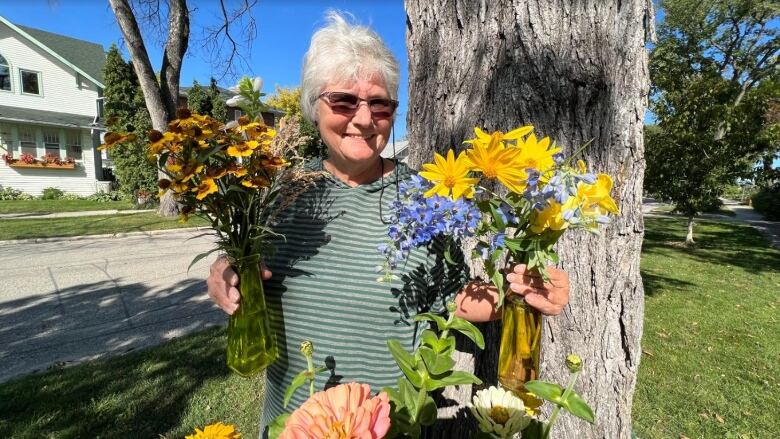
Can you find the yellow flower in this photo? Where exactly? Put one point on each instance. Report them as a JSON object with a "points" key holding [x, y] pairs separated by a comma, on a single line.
{"points": [[162, 141], [207, 186], [449, 175], [596, 196], [536, 154], [216, 431], [243, 149], [111, 139], [179, 186], [258, 181], [485, 138], [496, 161], [551, 217]]}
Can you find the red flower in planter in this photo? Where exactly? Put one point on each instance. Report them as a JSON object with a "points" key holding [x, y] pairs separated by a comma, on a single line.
{"points": [[27, 158]]}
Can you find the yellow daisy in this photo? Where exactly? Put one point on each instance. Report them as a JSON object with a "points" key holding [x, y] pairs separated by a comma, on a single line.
{"points": [[596, 196], [536, 154], [485, 138], [450, 176], [494, 160], [207, 186], [243, 149], [216, 431]]}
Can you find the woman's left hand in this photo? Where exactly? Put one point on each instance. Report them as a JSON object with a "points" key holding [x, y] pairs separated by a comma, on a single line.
{"points": [[548, 297]]}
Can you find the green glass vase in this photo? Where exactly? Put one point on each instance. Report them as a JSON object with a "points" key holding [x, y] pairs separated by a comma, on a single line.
{"points": [[518, 357], [251, 344]]}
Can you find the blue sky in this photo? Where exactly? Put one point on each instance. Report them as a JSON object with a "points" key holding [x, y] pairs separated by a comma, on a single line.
{"points": [[284, 28]]}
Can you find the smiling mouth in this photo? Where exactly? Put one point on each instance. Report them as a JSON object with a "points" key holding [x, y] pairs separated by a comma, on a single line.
{"points": [[359, 136]]}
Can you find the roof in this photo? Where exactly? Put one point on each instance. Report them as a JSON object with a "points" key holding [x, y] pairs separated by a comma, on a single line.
{"points": [[16, 114], [400, 149], [85, 57]]}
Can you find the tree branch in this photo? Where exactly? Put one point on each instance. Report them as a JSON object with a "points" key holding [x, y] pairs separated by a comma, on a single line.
{"points": [[226, 49]]}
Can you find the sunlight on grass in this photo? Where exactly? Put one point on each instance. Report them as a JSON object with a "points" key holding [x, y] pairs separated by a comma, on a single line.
{"points": [[710, 348], [51, 206]]}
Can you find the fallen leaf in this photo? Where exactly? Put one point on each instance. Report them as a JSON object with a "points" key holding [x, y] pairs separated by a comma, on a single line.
{"points": [[648, 353], [704, 416], [719, 419], [682, 436]]}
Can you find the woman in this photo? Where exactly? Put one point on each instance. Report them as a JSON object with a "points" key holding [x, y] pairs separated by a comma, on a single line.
{"points": [[322, 280]]}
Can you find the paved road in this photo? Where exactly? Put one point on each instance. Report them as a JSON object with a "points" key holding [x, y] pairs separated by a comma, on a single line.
{"points": [[67, 301]]}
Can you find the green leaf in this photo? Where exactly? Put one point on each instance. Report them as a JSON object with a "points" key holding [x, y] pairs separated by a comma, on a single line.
{"points": [[448, 255], [409, 396], [549, 391], [428, 411], [436, 364], [201, 256], [297, 382], [430, 338], [405, 362], [441, 322], [276, 427], [577, 406], [469, 330], [534, 430], [456, 378]]}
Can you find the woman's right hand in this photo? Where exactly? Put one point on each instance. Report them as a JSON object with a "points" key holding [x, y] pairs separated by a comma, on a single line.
{"points": [[222, 284]]}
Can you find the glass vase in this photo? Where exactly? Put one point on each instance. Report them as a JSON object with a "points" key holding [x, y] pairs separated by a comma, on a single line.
{"points": [[518, 357], [251, 344]]}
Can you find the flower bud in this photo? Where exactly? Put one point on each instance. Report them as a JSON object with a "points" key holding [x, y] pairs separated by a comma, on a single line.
{"points": [[183, 113], [163, 183], [452, 307], [307, 348], [154, 136], [574, 363]]}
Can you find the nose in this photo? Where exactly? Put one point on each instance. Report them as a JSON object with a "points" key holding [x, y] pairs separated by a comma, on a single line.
{"points": [[362, 117]]}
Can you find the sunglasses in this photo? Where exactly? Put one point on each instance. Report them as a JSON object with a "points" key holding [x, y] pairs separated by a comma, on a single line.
{"points": [[347, 103]]}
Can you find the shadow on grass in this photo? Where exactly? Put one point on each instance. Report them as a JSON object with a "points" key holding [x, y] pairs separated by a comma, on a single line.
{"points": [[722, 243], [654, 283], [135, 395]]}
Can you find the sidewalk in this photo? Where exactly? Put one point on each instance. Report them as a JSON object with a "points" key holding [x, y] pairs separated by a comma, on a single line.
{"points": [[71, 214]]}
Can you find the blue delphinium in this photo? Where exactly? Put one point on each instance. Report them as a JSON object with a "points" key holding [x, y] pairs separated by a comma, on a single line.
{"points": [[416, 220]]}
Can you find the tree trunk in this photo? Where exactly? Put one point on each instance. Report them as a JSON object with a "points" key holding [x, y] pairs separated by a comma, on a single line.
{"points": [[161, 97], [577, 71], [689, 236]]}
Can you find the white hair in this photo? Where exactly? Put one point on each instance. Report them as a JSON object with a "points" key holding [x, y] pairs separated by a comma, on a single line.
{"points": [[343, 52]]}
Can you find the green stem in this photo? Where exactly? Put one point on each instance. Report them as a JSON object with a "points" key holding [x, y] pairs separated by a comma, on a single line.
{"points": [[445, 332], [310, 366], [564, 397]]}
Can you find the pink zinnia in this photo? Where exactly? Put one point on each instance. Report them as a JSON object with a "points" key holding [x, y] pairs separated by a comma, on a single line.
{"points": [[346, 411]]}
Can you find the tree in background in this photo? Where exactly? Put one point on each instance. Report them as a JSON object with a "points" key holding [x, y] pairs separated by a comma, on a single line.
{"points": [[577, 71], [207, 101], [171, 18], [714, 73], [289, 101], [124, 107]]}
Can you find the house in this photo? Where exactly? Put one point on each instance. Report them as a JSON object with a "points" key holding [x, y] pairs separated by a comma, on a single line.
{"points": [[398, 151], [270, 117], [51, 88]]}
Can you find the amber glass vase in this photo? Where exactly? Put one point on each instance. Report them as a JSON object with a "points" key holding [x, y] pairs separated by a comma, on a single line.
{"points": [[251, 345], [518, 357]]}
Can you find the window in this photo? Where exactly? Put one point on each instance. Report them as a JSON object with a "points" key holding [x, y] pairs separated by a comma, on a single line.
{"points": [[51, 142], [5, 74], [31, 82], [27, 141], [74, 144]]}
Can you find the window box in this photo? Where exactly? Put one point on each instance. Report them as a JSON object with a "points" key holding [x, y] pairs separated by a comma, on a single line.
{"points": [[18, 164]]}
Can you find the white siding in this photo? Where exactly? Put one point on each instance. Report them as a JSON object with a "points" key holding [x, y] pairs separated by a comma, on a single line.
{"points": [[58, 82], [80, 180]]}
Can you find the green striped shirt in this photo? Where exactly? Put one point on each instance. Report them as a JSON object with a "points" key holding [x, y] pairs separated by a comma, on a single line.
{"points": [[324, 289]]}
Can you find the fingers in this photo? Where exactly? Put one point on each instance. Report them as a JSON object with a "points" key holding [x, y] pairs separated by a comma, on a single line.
{"points": [[265, 273], [548, 297], [221, 283]]}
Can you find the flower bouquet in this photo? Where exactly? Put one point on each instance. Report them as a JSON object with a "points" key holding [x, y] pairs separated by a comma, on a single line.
{"points": [[232, 175], [545, 194]]}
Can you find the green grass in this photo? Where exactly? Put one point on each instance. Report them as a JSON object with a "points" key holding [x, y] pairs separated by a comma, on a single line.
{"points": [[90, 225], [53, 206], [721, 211], [711, 347], [164, 391]]}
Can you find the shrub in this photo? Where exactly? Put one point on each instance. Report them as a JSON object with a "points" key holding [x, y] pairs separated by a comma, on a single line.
{"points": [[52, 193], [767, 202], [106, 197], [67, 196], [9, 193]]}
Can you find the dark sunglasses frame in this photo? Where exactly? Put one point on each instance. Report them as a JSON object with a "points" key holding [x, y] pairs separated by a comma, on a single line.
{"points": [[350, 103]]}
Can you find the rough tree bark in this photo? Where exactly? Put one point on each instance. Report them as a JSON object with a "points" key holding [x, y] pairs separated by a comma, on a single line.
{"points": [[161, 96], [577, 71]]}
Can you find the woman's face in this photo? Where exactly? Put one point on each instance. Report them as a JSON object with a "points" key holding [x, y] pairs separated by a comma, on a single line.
{"points": [[359, 136]]}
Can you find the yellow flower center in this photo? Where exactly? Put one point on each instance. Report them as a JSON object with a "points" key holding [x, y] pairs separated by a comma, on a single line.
{"points": [[449, 181], [532, 163], [337, 431], [499, 414], [489, 171]]}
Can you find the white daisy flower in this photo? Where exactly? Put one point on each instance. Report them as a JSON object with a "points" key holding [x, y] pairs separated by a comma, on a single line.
{"points": [[499, 412]]}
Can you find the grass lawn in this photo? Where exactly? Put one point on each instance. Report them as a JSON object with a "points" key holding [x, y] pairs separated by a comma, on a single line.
{"points": [[90, 225], [164, 391], [52, 206], [711, 348]]}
